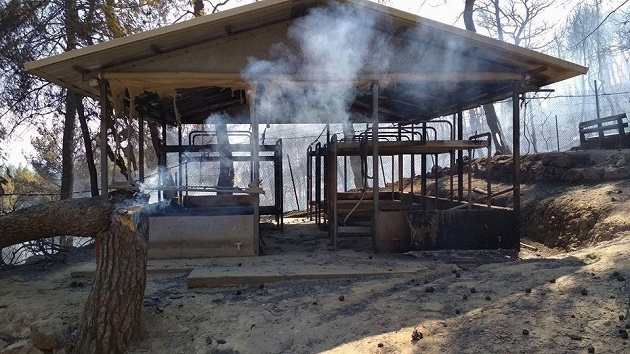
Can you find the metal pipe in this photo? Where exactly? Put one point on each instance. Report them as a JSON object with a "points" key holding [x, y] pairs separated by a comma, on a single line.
{"points": [[179, 158], [375, 155], [516, 156], [309, 181], [460, 157], [297, 202]]}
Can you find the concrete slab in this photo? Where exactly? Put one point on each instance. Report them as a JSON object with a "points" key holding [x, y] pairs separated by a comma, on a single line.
{"points": [[226, 276], [87, 270]]}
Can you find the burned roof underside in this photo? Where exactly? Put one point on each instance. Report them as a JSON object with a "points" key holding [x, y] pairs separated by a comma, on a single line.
{"points": [[421, 88]]}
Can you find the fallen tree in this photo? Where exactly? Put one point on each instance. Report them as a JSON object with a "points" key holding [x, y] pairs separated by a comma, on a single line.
{"points": [[86, 217], [112, 318], [112, 315]]}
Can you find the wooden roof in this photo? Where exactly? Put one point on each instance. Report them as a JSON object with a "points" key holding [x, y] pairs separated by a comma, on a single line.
{"points": [[203, 59]]}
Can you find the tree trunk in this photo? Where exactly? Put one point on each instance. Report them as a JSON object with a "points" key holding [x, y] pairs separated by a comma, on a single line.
{"points": [[67, 148], [491, 115], [500, 144], [112, 316], [355, 161], [87, 142], [226, 164], [76, 217]]}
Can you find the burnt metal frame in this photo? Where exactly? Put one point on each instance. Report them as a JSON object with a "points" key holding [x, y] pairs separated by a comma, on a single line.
{"points": [[277, 209], [423, 147]]}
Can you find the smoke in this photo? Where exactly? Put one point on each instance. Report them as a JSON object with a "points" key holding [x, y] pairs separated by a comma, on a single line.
{"points": [[314, 77]]}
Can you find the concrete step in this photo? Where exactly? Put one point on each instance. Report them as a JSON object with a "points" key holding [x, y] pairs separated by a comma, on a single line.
{"points": [[227, 276]]}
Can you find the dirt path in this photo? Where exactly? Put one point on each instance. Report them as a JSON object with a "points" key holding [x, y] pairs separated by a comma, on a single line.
{"points": [[377, 314]]}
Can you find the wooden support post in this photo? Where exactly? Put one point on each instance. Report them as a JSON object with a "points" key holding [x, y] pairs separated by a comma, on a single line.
{"points": [[332, 191], [104, 120], [375, 156], [516, 156], [460, 157]]}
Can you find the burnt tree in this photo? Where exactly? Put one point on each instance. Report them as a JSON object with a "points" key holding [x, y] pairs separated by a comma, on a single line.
{"points": [[492, 119], [111, 318], [112, 315]]}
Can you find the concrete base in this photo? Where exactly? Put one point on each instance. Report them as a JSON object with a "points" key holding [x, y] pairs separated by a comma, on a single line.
{"points": [[226, 276], [201, 236], [394, 232]]}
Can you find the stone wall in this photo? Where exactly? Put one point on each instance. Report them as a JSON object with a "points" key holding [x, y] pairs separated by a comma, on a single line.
{"points": [[574, 167]]}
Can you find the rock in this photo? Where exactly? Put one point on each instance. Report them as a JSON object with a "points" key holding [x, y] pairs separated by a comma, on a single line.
{"points": [[621, 162], [616, 173], [465, 297], [584, 292], [208, 341], [178, 329], [621, 317], [590, 349], [620, 278], [552, 281], [573, 175], [49, 334], [24, 346], [429, 289], [528, 291], [380, 345], [592, 174], [525, 332], [341, 297], [473, 290], [221, 341], [559, 159]]}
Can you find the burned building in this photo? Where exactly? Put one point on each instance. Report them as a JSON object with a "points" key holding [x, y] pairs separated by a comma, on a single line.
{"points": [[304, 62]]}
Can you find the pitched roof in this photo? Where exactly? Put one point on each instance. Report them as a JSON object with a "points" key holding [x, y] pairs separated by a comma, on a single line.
{"points": [[481, 70]]}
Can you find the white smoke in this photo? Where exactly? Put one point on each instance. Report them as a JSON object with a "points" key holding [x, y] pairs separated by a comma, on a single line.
{"points": [[314, 78]]}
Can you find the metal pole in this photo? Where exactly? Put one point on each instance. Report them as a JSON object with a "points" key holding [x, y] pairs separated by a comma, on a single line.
{"points": [[557, 134], [460, 157], [599, 124], [297, 203], [375, 156], [179, 164], [516, 156], [256, 164]]}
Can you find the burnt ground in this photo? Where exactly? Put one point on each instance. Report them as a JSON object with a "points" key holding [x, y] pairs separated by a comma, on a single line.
{"points": [[566, 293]]}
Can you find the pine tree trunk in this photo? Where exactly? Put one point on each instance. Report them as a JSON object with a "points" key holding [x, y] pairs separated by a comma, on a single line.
{"points": [[226, 164], [355, 161], [87, 142], [112, 316], [500, 144], [85, 217], [491, 115], [67, 149]]}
